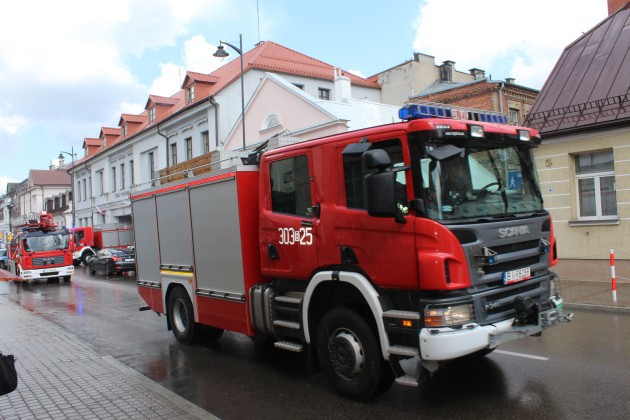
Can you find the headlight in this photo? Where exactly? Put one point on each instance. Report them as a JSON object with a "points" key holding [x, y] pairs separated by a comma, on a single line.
{"points": [[448, 316]]}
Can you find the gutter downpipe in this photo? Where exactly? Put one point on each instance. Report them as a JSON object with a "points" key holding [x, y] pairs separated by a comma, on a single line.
{"points": [[216, 120], [501, 97], [166, 144]]}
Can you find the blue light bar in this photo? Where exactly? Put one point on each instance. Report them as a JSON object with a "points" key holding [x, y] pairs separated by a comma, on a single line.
{"points": [[435, 110]]}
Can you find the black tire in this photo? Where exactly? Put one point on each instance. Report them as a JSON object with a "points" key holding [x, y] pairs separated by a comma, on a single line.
{"points": [[65, 278], [350, 356], [181, 316], [109, 268], [86, 257]]}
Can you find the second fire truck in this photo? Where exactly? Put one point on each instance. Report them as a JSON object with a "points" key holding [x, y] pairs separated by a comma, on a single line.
{"points": [[39, 249]]}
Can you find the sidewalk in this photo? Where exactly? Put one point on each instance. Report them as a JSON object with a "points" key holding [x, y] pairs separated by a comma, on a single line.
{"points": [[588, 284], [61, 377]]}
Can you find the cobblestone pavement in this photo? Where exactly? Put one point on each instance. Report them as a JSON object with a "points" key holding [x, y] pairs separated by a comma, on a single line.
{"points": [[59, 377]]}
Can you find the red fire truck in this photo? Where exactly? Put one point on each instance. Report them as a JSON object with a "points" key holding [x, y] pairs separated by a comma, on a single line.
{"points": [[382, 252], [87, 240], [38, 249]]}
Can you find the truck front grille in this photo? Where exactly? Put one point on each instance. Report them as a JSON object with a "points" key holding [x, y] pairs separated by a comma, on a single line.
{"points": [[44, 261]]}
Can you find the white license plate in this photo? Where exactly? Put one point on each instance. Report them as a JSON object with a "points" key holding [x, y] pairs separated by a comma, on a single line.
{"points": [[129, 260], [517, 275]]}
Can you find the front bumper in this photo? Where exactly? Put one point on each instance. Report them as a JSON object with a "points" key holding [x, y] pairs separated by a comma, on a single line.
{"points": [[449, 343], [43, 273]]}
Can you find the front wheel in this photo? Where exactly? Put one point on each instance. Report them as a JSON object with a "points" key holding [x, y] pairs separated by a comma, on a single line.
{"points": [[181, 316], [350, 356]]}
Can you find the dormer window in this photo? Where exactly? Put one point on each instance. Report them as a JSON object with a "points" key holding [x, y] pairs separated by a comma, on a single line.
{"points": [[190, 94], [124, 130], [152, 114]]}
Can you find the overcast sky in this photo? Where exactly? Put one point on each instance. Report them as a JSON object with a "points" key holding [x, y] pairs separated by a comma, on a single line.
{"points": [[70, 67]]}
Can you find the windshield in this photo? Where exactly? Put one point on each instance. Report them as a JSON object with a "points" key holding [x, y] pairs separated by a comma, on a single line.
{"points": [[473, 182], [51, 241]]}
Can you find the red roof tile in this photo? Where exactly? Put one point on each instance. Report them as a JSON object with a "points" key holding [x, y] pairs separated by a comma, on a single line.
{"points": [[110, 131], [131, 118], [160, 100], [266, 56]]}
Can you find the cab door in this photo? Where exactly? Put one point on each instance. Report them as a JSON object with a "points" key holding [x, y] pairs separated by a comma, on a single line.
{"points": [[289, 223]]}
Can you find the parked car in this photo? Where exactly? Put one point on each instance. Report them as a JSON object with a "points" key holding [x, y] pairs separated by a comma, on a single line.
{"points": [[113, 261], [4, 259]]}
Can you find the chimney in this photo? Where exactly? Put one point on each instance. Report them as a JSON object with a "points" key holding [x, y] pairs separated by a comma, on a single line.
{"points": [[342, 87], [478, 74], [61, 162], [614, 5], [446, 71], [509, 80]]}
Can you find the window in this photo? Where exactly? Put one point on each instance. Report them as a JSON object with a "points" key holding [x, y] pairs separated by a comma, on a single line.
{"points": [[354, 173], [99, 183], [113, 172], [174, 154], [152, 114], [595, 176], [205, 142], [90, 186], [122, 176], [291, 186], [133, 175], [78, 191], [324, 94], [124, 130], [272, 121], [151, 162], [190, 94], [188, 148], [299, 86], [514, 116], [85, 197]]}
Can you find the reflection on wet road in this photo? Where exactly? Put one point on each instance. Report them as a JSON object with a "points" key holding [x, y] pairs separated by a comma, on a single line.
{"points": [[569, 372]]}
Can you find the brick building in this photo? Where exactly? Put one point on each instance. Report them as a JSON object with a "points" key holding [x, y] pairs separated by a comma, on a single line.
{"points": [[502, 96]]}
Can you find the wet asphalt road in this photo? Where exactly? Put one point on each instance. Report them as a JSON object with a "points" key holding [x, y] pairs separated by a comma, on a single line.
{"points": [[579, 370]]}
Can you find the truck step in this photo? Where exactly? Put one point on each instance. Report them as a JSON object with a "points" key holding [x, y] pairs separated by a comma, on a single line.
{"points": [[289, 299], [287, 324], [403, 351], [289, 345], [407, 380]]}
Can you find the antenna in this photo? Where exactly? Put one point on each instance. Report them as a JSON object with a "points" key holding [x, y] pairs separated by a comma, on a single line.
{"points": [[258, 19]]}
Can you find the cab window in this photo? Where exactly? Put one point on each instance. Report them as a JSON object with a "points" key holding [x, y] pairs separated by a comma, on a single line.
{"points": [[291, 186], [354, 174]]}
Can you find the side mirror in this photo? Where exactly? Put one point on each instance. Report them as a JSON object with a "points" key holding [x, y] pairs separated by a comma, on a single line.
{"points": [[380, 190]]}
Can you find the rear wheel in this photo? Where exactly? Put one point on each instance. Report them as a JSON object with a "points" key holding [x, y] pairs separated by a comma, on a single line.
{"points": [[109, 268], [181, 316], [350, 356]]}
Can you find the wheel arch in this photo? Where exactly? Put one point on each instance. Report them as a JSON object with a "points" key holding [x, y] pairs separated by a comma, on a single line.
{"points": [[171, 286], [331, 288]]}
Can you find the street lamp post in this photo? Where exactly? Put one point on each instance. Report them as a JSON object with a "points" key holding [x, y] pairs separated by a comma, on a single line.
{"points": [[221, 53], [71, 154]]}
